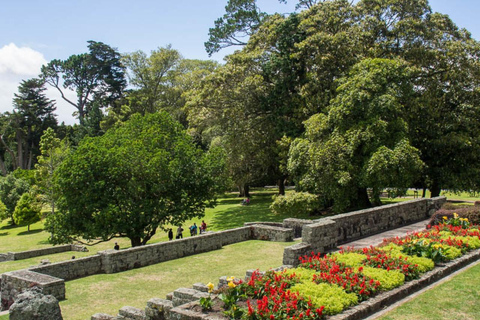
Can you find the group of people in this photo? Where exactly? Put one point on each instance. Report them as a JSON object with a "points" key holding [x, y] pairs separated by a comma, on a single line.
{"points": [[193, 231]]}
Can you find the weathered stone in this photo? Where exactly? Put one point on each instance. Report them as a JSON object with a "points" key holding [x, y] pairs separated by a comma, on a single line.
{"points": [[158, 309], [34, 305], [131, 313], [102, 316], [200, 287]]}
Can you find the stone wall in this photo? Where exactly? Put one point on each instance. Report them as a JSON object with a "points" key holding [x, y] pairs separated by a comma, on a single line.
{"points": [[325, 234], [72, 269], [296, 225], [14, 283], [117, 261], [270, 233], [39, 252]]}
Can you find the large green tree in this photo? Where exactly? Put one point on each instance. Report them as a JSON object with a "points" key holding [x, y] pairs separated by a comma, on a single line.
{"points": [[143, 175], [53, 152], [362, 140], [32, 114], [97, 78]]}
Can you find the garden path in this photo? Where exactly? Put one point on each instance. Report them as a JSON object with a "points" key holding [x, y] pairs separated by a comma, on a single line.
{"points": [[377, 239]]}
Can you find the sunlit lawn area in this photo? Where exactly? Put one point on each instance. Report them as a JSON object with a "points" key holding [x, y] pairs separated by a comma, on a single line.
{"points": [[457, 298], [108, 293], [229, 213]]}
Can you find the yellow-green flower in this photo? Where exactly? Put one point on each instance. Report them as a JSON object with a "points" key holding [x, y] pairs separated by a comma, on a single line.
{"points": [[445, 218], [210, 286], [231, 284], [230, 279], [455, 215]]}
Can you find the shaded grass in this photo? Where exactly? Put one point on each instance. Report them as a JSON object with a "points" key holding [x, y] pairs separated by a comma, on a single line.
{"points": [[107, 293], [457, 298]]}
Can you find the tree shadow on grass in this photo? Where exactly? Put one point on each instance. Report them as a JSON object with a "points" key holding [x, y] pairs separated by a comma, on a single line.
{"points": [[10, 226], [257, 211], [4, 234], [24, 233], [44, 242]]}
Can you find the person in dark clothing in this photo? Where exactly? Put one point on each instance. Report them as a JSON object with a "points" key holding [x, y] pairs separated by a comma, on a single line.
{"points": [[170, 234], [116, 247]]}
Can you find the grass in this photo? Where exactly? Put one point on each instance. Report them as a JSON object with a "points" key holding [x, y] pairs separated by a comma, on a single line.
{"points": [[229, 213], [107, 293], [455, 299]]}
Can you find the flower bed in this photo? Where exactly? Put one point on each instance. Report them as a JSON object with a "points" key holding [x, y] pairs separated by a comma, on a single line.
{"points": [[328, 284]]}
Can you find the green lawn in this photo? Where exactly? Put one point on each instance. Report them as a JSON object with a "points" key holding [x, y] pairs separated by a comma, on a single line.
{"points": [[107, 293], [457, 298], [229, 213]]}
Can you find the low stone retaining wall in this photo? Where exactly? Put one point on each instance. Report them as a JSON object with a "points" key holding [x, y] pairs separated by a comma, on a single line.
{"points": [[14, 283], [10, 256], [325, 234], [113, 261], [72, 269]]}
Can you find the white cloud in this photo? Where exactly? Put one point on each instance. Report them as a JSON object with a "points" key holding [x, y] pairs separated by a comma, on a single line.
{"points": [[17, 64], [20, 61]]}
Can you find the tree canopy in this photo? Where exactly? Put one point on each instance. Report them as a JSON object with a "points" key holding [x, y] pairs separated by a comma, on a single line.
{"points": [[143, 175]]}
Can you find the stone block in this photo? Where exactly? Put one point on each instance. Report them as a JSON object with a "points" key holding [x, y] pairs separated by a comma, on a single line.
{"points": [[34, 305], [102, 316], [131, 313], [292, 253], [158, 309], [200, 287]]}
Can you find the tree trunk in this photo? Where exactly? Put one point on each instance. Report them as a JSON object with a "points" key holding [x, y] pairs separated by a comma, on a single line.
{"points": [[362, 199], [28, 228], [281, 186], [435, 190], [424, 192], [10, 152], [3, 168], [376, 201], [149, 236], [20, 163], [244, 191], [136, 241]]}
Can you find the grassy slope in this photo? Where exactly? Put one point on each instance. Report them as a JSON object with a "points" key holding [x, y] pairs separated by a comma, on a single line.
{"points": [[107, 293], [455, 299], [228, 214]]}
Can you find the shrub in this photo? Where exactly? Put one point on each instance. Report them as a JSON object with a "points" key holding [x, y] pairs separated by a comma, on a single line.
{"points": [[472, 213], [301, 274], [423, 264], [388, 279], [350, 259], [295, 203], [28, 210], [334, 298]]}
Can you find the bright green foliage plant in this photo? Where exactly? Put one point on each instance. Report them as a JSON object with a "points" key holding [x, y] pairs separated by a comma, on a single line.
{"points": [[11, 189], [28, 209], [295, 203], [333, 297], [350, 259], [388, 279]]}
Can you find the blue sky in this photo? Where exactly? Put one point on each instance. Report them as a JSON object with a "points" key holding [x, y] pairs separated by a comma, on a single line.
{"points": [[34, 32]]}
